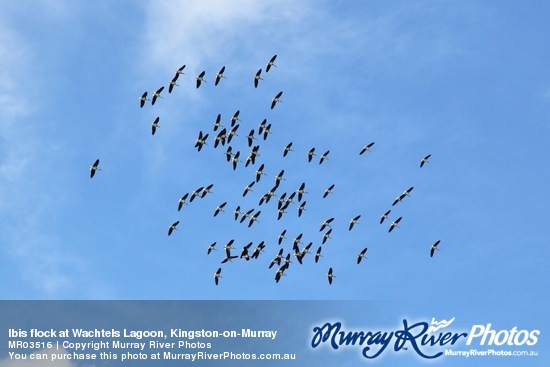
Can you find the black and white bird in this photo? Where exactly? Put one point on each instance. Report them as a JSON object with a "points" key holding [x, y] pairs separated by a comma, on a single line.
{"points": [[182, 201], [142, 99], [154, 126], [235, 118], [200, 78], [94, 167], [318, 254], [276, 99], [366, 148], [353, 221], [211, 248], [287, 149], [433, 248], [326, 224], [219, 75], [260, 172], [330, 276], [384, 216], [250, 137], [394, 224], [156, 95], [217, 124], [310, 154], [301, 208], [324, 157], [361, 255], [173, 83], [220, 208], [201, 140], [248, 188], [270, 63], [235, 160], [257, 78], [281, 237], [425, 160], [173, 227], [217, 275], [328, 191], [326, 236]]}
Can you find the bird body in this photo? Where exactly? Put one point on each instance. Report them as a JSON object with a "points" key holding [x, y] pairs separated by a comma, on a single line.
{"points": [[94, 167]]}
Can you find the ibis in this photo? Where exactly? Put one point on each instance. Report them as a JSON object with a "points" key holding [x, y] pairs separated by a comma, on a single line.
{"points": [[361, 255], [228, 153], [246, 215], [201, 140], [182, 201], [310, 154], [142, 99], [433, 248], [276, 99], [258, 250], [172, 227], [94, 167], [219, 75], [259, 172], [318, 254], [173, 83], [250, 137], [267, 131], [235, 160], [425, 160], [235, 118], [394, 224], [200, 78], [301, 191], [232, 133], [328, 191], [257, 78], [330, 276], [324, 157], [154, 126], [220, 138], [195, 194], [270, 63], [248, 188], [277, 260], [366, 148], [220, 208], [237, 212], [301, 208], [207, 190], [326, 224], [326, 236], [217, 275], [281, 237], [217, 124], [254, 218], [384, 216], [156, 95], [287, 149], [353, 221], [211, 248], [261, 127]]}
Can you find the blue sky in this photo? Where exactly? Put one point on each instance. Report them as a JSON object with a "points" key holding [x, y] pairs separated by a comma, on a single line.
{"points": [[464, 81]]}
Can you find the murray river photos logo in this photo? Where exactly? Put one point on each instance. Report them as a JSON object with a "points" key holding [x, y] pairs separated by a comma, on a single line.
{"points": [[428, 340]]}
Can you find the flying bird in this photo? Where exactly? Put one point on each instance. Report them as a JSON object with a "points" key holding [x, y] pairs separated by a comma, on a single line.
{"points": [[142, 99], [195, 194], [217, 275], [267, 131], [328, 191], [235, 118], [277, 260], [211, 248], [218, 122], [182, 201], [433, 248], [301, 208], [235, 160], [394, 224], [173, 83], [310, 154], [301, 191], [287, 149], [207, 190], [246, 215], [318, 254], [276, 99], [281, 237], [157, 95], [94, 167], [330, 276], [425, 160], [260, 172], [237, 212], [366, 148], [326, 223], [228, 153], [326, 236], [201, 140], [180, 70], [270, 63], [219, 75], [257, 78], [353, 221], [220, 208], [361, 255], [172, 227], [250, 137], [254, 218], [324, 157], [200, 79], [154, 126], [232, 133], [384, 216], [248, 188]]}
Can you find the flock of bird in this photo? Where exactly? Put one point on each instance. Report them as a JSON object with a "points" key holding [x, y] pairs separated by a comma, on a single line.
{"points": [[223, 137]]}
